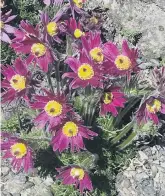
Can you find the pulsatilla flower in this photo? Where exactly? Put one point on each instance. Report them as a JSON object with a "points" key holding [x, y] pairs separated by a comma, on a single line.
{"points": [[93, 45], [92, 21], [28, 41], [5, 28], [17, 81], [54, 109], [56, 2], [111, 99], [121, 63], [19, 152], [75, 28], [77, 176], [85, 72], [71, 133], [149, 110], [52, 28]]}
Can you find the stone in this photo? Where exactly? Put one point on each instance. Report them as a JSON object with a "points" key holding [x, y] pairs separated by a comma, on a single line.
{"points": [[4, 171], [141, 21], [16, 194], [147, 178], [48, 181]]}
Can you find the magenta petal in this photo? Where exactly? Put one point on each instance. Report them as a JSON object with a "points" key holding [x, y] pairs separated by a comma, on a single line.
{"points": [[73, 63], [69, 75], [38, 105], [19, 67], [10, 18], [64, 143], [79, 141], [88, 182], [163, 109], [47, 2], [29, 59], [43, 63], [68, 180], [9, 29], [5, 84], [111, 51], [4, 37], [125, 49], [112, 109]]}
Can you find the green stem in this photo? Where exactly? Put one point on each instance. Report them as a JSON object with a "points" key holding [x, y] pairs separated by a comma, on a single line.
{"points": [[50, 82], [18, 116], [57, 68]]}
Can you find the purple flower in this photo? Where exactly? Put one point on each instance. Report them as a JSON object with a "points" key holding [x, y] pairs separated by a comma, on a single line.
{"points": [[149, 109], [75, 28], [77, 176], [71, 133], [29, 41], [53, 28], [54, 109], [121, 63], [5, 28], [17, 81], [84, 72], [56, 2], [75, 5], [111, 99], [20, 154]]}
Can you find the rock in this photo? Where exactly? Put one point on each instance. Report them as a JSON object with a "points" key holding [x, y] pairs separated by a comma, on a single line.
{"points": [[48, 181], [148, 176], [16, 194], [141, 21], [5, 193], [4, 171]]}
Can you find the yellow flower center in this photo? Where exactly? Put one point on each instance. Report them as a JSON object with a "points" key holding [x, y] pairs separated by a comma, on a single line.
{"points": [[108, 97], [38, 49], [154, 107], [123, 62], [97, 55], [18, 82], [52, 28], [78, 3], [78, 33], [70, 129], [77, 173], [53, 108], [1, 25], [85, 72], [94, 20], [18, 150]]}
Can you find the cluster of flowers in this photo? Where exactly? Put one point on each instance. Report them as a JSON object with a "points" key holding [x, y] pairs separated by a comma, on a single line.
{"points": [[95, 63]]}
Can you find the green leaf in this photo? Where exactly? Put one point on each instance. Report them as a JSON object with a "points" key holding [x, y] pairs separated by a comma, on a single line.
{"points": [[123, 131], [128, 140]]}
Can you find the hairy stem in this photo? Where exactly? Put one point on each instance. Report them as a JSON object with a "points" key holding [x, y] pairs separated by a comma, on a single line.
{"points": [[50, 81]]}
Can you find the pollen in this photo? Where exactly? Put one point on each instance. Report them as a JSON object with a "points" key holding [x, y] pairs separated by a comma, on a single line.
{"points": [[154, 107], [94, 20], [78, 33], [108, 98], [123, 62], [18, 82], [70, 129], [97, 55], [18, 150], [78, 3], [53, 108], [85, 72], [52, 28], [38, 49], [2, 24], [77, 173]]}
